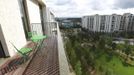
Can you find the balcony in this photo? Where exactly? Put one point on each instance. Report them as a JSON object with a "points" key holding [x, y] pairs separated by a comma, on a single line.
{"points": [[50, 59]]}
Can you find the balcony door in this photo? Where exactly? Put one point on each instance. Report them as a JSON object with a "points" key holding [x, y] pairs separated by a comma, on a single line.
{"points": [[2, 53]]}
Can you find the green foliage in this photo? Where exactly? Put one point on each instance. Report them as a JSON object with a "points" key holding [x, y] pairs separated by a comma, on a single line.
{"points": [[113, 45], [73, 57], [99, 55], [108, 72], [120, 47], [78, 68], [108, 40], [101, 43]]}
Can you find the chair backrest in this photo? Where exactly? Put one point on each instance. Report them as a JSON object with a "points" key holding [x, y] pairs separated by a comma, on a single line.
{"points": [[16, 48], [30, 34]]}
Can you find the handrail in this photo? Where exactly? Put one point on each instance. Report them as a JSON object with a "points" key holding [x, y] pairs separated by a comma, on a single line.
{"points": [[63, 63], [37, 28]]}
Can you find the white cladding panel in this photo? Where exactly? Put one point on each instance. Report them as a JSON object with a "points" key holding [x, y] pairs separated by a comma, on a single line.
{"points": [[11, 25]]}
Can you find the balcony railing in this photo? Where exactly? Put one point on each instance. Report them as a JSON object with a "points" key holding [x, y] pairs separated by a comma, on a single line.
{"points": [[52, 29], [36, 28], [63, 64], [49, 28]]}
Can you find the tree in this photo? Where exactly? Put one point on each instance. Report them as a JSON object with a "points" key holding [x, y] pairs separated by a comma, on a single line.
{"points": [[68, 47], [78, 68], [101, 43], [108, 41], [127, 49], [113, 46], [108, 72], [73, 57], [120, 47]]}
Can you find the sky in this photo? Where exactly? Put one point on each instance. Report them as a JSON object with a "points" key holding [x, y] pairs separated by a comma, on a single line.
{"points": [[79, 8]]}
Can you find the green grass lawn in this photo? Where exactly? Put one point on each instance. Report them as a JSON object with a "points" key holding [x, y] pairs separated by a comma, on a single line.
{"points": [[115, 66]]}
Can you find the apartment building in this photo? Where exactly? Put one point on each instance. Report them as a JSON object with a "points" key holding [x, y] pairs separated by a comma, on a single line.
{"points": [[85, 22], [108, 23], [18, 21], [104, 23], [127, 23]]}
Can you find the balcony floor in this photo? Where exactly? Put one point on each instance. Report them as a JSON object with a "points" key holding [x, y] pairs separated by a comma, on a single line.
{"points": [[45, 61]]}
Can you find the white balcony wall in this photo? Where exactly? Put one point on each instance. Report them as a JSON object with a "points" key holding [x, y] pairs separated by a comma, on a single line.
{"points": [[11, 25], [34, 12], [34, 16], [63, 63]]}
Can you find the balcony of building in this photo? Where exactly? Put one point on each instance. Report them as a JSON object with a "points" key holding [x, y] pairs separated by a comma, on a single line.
{"points": [[49, 59]]}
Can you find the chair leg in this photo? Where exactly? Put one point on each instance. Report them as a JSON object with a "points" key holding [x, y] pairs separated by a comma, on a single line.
{"points": [[40, 46], [25, 58]]}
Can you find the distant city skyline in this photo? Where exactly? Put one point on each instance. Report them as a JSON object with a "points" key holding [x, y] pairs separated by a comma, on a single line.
{"points": [[78, 8], [107, 14]]}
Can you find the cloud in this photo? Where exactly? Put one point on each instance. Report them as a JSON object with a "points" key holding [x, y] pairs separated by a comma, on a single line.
{"points": [[62, 2], [96, 5], [78, 8], [124, 4]]}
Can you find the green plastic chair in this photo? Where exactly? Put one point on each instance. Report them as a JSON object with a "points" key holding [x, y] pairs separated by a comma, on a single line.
{"points": [[30, 34], [23, 51], [38, 38]]}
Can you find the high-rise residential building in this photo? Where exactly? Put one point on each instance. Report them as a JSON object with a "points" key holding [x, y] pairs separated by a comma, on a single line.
{"points": [[108, 23], [127, 22], [85, 22], [104, 23], [114, 22]]}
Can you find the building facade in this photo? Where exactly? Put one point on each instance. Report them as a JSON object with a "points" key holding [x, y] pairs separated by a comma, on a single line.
{"points": [[127, 23], [108, 23]]}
